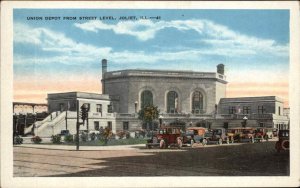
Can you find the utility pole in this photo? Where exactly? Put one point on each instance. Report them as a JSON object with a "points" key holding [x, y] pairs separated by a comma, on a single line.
{"points": [[67, 119], [77, 126]]}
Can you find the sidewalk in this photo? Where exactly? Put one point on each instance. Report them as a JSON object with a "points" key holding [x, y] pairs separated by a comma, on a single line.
{"points": [[83, 148]]}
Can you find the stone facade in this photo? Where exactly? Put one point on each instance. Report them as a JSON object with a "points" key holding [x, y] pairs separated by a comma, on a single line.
{"points": [[129, 85], [183, 97], [266, 111]]}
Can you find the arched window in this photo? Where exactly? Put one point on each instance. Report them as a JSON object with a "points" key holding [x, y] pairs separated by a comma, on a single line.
{"points": [[197, 102], [146, 99], [172, 102]]}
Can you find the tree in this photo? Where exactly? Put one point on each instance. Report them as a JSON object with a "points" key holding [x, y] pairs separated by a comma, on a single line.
{"points": [[148, 114]]}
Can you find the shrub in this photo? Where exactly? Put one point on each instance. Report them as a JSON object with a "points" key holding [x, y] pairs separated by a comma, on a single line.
{"points": [[99, 136], [123, 134], [56, 139], [93, 136], [36, 139], [69, 138], [76, 138], [18, 140], [84, 137]]}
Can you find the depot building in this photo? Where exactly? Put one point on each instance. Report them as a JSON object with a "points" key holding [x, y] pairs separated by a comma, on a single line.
{"points": [[186, 98]]}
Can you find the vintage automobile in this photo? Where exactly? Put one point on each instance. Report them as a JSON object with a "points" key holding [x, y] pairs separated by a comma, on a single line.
{"points": [[194, 135], [283, 142], [165, 137], [261, 134], [217, 136], [242, 134]]}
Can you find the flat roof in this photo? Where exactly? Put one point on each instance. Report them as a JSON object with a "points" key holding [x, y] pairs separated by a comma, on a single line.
{"points": [[251, 99], [84, 95], [164, 73]]}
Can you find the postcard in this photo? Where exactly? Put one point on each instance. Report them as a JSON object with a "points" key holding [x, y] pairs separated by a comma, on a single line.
{"points": [[150, 94]]}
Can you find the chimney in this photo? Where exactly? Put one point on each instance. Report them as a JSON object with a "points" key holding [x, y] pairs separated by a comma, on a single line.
{"points": [[104, 70], [220, 69], [104, 67]]}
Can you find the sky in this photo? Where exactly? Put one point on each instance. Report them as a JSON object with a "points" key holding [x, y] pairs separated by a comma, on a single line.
{"points": [[60, 50]]}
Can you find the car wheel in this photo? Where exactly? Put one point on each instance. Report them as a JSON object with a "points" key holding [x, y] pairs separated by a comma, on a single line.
{"points": [[285, 145], [162, 144], [204, 142]]}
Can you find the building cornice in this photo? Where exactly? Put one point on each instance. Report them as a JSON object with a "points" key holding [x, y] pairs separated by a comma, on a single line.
{"points": [[164, 74]]}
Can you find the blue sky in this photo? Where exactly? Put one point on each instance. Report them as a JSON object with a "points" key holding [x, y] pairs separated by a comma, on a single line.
{"points": [[198, 40]]}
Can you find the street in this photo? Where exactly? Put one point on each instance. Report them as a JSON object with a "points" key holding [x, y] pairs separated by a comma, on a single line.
{"points": [[258, 159]]}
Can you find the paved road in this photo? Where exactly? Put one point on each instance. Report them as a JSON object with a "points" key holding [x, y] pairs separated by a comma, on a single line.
{"points": [[258, 159]]}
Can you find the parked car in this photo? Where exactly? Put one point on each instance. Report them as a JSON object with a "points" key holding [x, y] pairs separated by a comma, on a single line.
{"points": [[194, 135], [242, 134], [165, 137], [217, 136], [261, 134], [283, 142]]}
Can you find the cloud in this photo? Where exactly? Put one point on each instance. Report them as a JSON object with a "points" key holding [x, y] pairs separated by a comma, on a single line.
{"points": [[142, 29], [220, 37], [66, 49]]}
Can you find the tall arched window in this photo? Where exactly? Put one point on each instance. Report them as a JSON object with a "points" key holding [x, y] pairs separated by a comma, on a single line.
{"points": [[172, 102], [197, 102], [146, 98]]}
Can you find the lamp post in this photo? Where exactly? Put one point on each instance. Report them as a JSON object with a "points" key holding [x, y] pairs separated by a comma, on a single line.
{"points": [[245, 121], [160, 117]]}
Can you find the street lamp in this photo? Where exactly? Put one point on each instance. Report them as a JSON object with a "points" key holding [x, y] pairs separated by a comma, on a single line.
{"points": [[245, 121], [160, 120]]}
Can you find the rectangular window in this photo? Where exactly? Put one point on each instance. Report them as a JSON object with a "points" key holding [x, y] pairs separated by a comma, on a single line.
{"points": [[96, 125], [126, 125], [99, 108], [109, 108], [232, 110], [246, 110], [278, 110], [261, 110], [109, 125], [261, 124]]}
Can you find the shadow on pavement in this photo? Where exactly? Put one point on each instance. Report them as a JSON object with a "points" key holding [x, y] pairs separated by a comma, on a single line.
{"points": [[258, 159]]}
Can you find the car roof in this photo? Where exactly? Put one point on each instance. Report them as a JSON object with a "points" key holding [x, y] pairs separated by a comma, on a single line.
{"points": [[196, 128]]}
